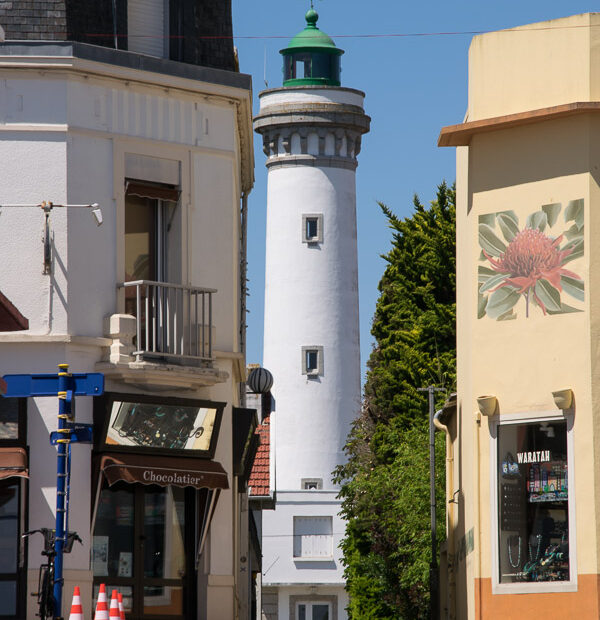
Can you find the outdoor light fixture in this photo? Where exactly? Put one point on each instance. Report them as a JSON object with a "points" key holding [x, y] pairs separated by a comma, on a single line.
{"points": [[46, 207], [563, 398], [488, 404], [260, 381]]}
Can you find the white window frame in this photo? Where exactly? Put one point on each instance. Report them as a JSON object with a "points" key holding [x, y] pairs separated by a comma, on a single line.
{"points": [[318, 238], [314, 372], [532, 587], [309, 604], [312, 558]]}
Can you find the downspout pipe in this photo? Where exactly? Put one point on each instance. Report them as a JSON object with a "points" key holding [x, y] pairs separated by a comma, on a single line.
{"points": [[450, 501], [243, 284]]}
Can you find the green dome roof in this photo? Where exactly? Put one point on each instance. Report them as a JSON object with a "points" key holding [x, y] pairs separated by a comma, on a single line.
{"points": [[312, 38]]}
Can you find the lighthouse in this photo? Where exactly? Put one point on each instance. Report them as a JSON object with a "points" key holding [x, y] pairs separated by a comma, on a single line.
{"points": [[312, 128]]}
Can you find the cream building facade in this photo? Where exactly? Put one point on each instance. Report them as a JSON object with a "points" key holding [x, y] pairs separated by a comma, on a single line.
{"points": [[153, 299], [523, 511]]}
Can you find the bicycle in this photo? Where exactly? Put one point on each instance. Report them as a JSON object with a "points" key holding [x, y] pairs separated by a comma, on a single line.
{"points": [[45, 593]]}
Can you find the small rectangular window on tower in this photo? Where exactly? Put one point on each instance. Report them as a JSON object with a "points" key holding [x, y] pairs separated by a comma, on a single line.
{"points": [[312, 484], [312, 228], [312, 361]]}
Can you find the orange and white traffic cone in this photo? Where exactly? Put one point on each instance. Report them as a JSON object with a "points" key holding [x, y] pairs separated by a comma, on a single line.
{"points": [[114, 606], [76, 609], [101, 605], [121, 609]]}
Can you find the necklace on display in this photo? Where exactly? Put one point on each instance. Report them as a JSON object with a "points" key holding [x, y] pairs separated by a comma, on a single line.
{"points": [[539, 545], [509, 545]]}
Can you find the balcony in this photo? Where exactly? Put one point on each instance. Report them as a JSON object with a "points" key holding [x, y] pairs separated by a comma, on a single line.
{"points": [[172, 321], [165, 338]]}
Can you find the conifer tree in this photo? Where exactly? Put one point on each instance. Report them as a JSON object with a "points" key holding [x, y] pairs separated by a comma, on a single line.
{"points": [[385, 482]]}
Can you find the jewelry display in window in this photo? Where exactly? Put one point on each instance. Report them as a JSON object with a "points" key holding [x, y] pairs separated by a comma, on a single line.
{"points": [[510, 468], [512, 543], [533, 502]]}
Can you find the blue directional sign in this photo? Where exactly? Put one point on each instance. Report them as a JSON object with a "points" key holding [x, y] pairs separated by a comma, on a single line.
{"points": [[81, 384], [80, 433]]}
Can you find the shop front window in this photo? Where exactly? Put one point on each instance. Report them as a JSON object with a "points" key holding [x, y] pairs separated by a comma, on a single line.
{"points": [[533, 502], [140, 548]]}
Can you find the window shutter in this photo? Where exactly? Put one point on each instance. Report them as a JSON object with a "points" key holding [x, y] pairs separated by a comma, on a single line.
{"points": [[146, 27], [313, 537]]}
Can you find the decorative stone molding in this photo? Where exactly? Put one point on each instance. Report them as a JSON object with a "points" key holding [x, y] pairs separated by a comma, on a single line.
{"points": [[157, 377], [335, 124], [282, 135], [313, 160], [120, 328]]}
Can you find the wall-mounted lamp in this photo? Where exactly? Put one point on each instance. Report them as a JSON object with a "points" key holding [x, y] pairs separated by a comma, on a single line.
{"points": [[46, 207], [488, 404], [563, 399]]}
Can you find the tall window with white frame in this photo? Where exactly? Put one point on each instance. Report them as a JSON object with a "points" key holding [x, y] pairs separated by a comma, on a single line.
{"points": [[533, 502], [152, 254]]}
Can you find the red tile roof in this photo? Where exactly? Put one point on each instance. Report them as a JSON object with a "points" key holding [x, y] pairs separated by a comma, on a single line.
{"points": [[259, 481], [11, 319]]}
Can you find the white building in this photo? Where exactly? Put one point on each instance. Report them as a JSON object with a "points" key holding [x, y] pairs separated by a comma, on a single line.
{"points": [[312, 130], [164, 145]]}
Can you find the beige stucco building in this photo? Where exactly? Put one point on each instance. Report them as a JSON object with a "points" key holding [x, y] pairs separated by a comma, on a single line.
{"points": [[523, 533]]}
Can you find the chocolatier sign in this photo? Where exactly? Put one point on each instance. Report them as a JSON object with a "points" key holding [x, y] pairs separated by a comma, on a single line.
{"points": [[163, 471]]}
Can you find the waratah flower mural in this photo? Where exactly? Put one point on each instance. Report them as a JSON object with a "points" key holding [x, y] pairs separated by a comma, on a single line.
{"points": [[526, 266]]}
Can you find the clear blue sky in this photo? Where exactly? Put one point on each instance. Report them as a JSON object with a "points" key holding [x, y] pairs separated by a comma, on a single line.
{"points": [[414, 85]]}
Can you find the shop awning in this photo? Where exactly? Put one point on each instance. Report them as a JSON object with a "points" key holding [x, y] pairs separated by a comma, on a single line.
{"points": [[13, 462], [164, 471]]}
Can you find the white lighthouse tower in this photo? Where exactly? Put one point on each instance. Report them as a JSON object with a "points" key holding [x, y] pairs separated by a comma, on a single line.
{"points": [[312, 130]]}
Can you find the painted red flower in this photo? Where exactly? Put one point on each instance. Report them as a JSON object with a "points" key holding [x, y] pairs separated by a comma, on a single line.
{"points": [[532, 256]]}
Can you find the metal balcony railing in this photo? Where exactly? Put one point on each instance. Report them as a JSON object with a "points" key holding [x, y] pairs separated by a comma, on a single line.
{"points": [[173, 322]]}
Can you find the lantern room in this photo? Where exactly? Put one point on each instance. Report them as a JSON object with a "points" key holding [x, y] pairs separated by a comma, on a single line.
{"points": [[311, 58]]}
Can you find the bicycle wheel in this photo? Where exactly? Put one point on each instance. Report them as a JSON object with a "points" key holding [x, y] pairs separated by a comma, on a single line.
{"points": [[46, 596]]}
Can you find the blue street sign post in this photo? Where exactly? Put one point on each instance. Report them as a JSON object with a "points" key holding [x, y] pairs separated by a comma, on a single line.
{"points": [[66, 386]]}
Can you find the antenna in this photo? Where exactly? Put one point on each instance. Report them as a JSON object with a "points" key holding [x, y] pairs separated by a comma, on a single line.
{"points": [[265, 70]]}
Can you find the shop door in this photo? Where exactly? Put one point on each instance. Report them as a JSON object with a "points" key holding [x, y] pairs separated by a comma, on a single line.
{"points": [[143, 546]]}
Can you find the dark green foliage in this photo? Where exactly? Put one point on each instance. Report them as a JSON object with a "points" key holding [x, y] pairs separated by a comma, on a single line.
{"points": [[385, 484]]}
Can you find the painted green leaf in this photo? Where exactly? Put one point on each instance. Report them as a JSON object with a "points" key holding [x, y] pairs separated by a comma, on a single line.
{"points": [[537, 220], [507, 316], [574, 233], [482, 256], [547, 294], [492, 282], [481, 304], [489, 241], [577, 245], [552, 211], [574, 212], [573, 287], [509, 225], [488, 218], [501, 301], [483, 273], [564, 309]]}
